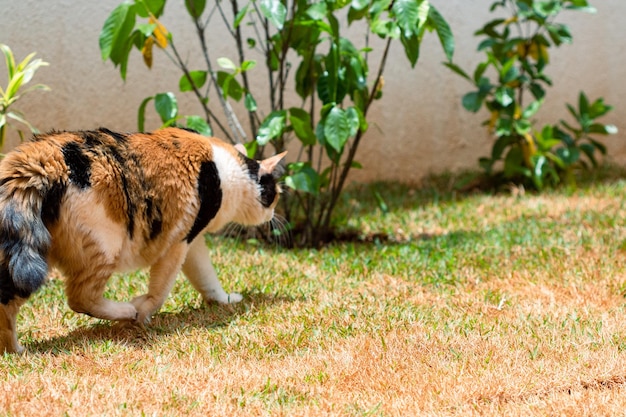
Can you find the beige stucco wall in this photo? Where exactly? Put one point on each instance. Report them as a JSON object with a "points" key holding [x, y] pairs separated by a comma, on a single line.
{"points": [[418, 127]]}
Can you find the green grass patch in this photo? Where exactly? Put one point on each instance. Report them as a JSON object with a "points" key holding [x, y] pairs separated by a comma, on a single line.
{"points": [[444, 302]]}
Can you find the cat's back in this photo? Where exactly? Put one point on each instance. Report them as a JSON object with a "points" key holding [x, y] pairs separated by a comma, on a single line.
{"points": [[116, 193]]}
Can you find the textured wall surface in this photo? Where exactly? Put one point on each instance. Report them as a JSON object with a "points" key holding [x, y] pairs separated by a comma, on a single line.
{"points": [[418, 127]]}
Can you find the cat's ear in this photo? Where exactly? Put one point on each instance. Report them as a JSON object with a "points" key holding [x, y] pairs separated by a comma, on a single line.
{"points": [[241, 149], [268, 165]]}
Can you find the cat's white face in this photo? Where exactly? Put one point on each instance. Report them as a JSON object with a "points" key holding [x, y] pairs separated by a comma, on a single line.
{"points": [[253, 192], [267, 190]]}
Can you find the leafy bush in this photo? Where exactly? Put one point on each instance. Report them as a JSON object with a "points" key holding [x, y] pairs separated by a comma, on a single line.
{"points": [[333, 81], [19, 74], [516, 50]]}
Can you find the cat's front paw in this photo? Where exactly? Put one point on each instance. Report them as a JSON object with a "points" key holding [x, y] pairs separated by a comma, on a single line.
{"points": [[233, 298], [224, 298], [144, 308]]}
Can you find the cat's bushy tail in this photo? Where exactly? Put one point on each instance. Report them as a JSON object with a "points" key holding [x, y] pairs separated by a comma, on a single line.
{"points": [[24, 238]]}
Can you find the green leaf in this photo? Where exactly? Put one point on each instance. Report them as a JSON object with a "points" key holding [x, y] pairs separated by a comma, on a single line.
{"points": [[274, 11], [599, 146], [532, 109], [9, 59], [301, 122], [15, 115], [458, 70], [248, 65], [472, 101], [198, 78], [200, 125], [250, 103], [603, 129], [589, 150], [537, 91], [509, 74], [229, 85], [336, 128], [480, 70], [598, 108], [582, 7], [559, 33], [406, 15], [324, 88], [382, 205], [304, 178], [226, 63], [514, 163], [583, 105], [411, 48], [569, 155], [115, 31], [240, 15], [317, 11], [522, 126], [145, 7], [272, 127], [541, 168], [166, 106], [359, 4], [195, 8], [146, 28], [504, 96], [504, 127], [443, 31], [141, 113], [356, 120]]}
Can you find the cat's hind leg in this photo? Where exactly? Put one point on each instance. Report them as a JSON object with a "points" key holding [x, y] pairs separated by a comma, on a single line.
{"points": [[8, 332], [162, 277], [201, 273], [85, 295]]}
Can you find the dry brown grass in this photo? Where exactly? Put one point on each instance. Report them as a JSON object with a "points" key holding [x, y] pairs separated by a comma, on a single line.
{"points": [[512, 307]]}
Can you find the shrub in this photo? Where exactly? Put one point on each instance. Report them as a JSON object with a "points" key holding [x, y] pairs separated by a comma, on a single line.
{"points": [[19, 74], [333, 81], [517, 53]]}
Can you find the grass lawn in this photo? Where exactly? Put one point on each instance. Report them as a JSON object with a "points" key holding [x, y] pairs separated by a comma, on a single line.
{"points": [[477, 304]]}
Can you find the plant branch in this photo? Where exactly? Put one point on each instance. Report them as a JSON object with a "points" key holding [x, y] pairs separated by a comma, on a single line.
{"points": [[336, 191], [201, 99], [231, 117]]}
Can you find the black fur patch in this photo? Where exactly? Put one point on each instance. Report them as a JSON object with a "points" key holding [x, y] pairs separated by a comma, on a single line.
{"points": [[52, 203], [188, 129], [154, 217], [117, 153], [268, 189], [210, 195], [78, 163], [119, 137], [130, 206], [8, 291], [253, 167]]}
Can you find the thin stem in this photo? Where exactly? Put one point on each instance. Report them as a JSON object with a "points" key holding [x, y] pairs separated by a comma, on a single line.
{"points": [[201, 99], [231, 117], [269, 49]]}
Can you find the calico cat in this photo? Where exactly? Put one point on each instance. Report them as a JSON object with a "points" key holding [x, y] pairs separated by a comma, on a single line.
{"points": [[96, 202]]}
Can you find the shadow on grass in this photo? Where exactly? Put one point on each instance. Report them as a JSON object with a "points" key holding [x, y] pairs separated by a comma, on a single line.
{"points": [[103, 335]]}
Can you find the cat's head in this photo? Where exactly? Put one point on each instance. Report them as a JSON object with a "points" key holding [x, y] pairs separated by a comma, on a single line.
{"points": [[264, 175]]}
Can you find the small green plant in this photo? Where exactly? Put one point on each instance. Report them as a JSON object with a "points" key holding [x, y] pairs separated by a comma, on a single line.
{"points": [[511, 83], [301, 41], [19, 74]]}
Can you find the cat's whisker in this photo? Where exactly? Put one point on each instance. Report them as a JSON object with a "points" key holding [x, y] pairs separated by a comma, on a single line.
{"points": [[280, 231], [234, 231]]}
